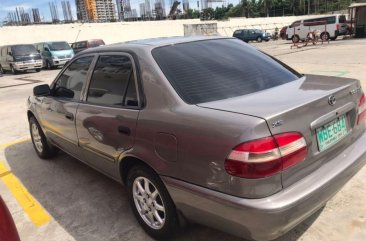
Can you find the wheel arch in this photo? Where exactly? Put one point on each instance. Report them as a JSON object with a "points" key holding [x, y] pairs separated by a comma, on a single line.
{"points": [[127, 162], [30, 114]]}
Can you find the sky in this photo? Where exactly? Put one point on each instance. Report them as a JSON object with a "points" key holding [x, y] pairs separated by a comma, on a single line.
{"points": [[10, 5]]}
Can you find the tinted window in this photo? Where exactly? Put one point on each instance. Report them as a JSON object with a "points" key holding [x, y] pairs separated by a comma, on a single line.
{"points": [[212, 70], [131, 94], [71, 82], [55, 46], [19, 50], [110, 80]]}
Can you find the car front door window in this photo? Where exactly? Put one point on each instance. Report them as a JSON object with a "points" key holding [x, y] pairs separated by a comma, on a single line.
{"points": [[70, 83]]}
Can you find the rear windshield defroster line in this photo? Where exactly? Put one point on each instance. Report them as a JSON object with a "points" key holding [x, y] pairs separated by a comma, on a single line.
{"points": [[211, 70]]}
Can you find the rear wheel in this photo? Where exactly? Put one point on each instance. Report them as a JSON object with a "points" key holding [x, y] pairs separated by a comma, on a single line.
{"points": [[38, 70], [43, 149], [151, 203]]}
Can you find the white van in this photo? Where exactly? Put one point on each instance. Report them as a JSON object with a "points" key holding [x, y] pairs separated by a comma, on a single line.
{"points": [[330, 27]]}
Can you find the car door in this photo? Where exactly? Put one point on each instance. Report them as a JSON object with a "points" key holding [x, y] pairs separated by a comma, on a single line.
{"points": [[59, 109], [106, 119]]}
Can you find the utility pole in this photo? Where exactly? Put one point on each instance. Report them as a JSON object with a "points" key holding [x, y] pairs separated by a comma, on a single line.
{"points": [[308, 7]]}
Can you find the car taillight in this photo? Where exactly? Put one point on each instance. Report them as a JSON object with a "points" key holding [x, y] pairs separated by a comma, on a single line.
{"points": [[361, 110], [267, 156], [338, 26]]}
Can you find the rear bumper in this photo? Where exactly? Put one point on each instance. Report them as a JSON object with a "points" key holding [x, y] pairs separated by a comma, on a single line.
{"points": [[271, 217]]}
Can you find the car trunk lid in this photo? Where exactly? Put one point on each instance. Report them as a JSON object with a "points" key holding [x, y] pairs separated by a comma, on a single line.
{"points": [[302, 106]]}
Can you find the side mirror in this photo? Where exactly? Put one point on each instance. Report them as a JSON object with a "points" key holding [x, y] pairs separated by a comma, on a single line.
{"points": [[10, 54], [42, 90], [46, 49]]}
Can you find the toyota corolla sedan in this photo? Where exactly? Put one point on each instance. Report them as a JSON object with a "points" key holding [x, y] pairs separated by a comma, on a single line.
{"points": [[206, 129]]}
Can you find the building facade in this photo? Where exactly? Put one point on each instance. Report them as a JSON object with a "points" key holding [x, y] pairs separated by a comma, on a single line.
{"points": [[95, 10]]}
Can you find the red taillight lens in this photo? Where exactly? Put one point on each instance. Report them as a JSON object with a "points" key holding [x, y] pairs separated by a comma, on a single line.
{"points": [[338, 27], [361, 110], [266, 156]]}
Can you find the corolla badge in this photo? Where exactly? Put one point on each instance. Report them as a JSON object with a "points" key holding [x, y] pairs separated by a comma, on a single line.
{"points": [[332, 100]]}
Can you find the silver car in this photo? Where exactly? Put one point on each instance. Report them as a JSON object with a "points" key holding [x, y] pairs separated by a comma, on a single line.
{"points": [[206, 129]]}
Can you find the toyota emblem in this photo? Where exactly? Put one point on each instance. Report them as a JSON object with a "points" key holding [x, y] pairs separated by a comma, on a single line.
{"points": [[332, 100]]}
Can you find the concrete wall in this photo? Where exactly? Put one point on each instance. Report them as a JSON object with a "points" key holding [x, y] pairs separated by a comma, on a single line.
{"points": [[125, 31]]}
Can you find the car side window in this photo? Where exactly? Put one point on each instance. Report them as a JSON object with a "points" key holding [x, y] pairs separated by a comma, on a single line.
{"points": [[112, 76], [70, 83]]}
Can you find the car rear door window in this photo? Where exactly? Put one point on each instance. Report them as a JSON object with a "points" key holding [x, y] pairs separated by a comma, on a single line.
{"points": [[111, 77], [71, 81], [210, 70]]}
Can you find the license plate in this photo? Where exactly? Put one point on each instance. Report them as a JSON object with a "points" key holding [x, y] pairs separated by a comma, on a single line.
{"points": [[331, 133]]}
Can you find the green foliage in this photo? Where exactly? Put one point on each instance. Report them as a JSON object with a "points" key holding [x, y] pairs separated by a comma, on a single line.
{"points": [[270, 8]]}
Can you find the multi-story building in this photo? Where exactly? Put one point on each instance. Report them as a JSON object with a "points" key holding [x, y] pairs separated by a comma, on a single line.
{"points": [[95, 10]]}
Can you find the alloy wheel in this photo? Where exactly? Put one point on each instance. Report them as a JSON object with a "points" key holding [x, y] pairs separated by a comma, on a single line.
{"points": [[148, 202], [37, 138]]}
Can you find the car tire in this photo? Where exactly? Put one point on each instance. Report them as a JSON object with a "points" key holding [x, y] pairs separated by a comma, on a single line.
{"points": [[295, 39], [151, 203], [42, 147], [48, 65], [333, 39], [13, 71], [324, 36], [259, 39], [38, 70]]}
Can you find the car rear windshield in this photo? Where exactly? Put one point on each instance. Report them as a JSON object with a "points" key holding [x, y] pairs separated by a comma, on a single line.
{"points": [[55, 46], [23, 50], [210, 70]]}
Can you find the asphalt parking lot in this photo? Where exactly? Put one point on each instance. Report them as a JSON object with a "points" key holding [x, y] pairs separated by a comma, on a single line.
{"points": [[62, 199]]}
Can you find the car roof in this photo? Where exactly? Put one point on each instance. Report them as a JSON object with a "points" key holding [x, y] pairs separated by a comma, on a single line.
{"points": [[151, 43]]}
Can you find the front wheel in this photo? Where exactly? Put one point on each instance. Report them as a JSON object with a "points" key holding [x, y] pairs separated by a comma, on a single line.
{"points": [[43, 149], [151, 203], [259, 39], [38, 70], [295, 39]]}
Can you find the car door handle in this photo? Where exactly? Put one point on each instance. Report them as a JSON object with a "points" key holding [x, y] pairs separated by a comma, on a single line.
{"points": [[124, 130], [69, 116]]}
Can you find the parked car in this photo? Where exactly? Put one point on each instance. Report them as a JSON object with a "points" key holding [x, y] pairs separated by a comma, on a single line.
{"points": [[8, 230], [207, 129], [330, 27], [82, 45], [252, 35], [19, 58], [54, 54], [283, 32]]}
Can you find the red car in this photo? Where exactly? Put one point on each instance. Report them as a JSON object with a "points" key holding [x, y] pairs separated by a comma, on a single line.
{"points": [[8, 231]]}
